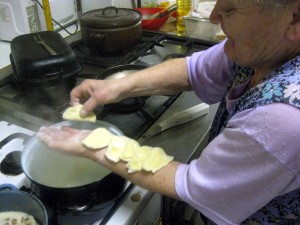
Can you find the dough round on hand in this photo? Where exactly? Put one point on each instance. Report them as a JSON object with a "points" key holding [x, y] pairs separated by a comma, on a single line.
{"points": [[73, 113], [156, 159], [135, 164], [98, 138], [131, 148], [115, 148]]}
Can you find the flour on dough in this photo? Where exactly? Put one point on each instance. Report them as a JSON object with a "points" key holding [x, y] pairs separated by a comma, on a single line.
{"points": [[98, 138], [73, 113]]}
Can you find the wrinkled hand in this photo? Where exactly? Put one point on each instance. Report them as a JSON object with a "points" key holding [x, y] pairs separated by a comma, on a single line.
{"points": [[66, 140], [95, 92]]}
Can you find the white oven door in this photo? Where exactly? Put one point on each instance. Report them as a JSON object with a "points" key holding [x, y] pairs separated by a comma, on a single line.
{"points": [[17, 17]]}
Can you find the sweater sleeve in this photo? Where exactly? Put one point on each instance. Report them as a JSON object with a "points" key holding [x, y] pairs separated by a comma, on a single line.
{"points": [[210, 72], [255, 159]]}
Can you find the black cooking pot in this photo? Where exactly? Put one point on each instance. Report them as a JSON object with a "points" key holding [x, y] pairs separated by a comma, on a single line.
{"points": [[40, 76], [116, 72], [12, 199], [70, 184], [111, 29]]}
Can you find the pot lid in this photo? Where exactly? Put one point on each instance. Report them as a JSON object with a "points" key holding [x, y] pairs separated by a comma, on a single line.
{"points": [[110, 17]]}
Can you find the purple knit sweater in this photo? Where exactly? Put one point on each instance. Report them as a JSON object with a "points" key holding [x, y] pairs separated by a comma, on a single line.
{"points": [[250, 162]]}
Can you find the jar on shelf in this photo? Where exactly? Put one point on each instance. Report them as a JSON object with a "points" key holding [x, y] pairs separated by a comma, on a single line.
{"points": [[183, 9], [149, 3]]}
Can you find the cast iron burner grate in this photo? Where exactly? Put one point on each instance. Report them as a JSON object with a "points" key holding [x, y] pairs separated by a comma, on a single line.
{"points": [[11, 164]]}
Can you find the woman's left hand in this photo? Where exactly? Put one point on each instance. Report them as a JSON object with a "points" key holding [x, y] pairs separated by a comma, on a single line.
{"points": [[65, 139]]}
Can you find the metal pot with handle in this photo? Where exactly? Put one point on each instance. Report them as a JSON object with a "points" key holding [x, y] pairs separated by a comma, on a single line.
{"points": [[70, 184], [111, 29], [14, 200]]}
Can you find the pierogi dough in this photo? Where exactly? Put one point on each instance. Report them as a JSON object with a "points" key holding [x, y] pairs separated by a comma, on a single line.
{"points": [[138, 158], [156, 159], [16, 218], [116, 147], [132, 146], [98, 138], [135, 164], [73, 114]]}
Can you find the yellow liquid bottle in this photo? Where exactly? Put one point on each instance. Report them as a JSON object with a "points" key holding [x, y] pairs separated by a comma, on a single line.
{"points": [[183, 9]]}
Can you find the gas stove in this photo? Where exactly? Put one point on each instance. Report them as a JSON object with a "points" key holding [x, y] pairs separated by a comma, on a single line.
{"points": [[20, 119]]}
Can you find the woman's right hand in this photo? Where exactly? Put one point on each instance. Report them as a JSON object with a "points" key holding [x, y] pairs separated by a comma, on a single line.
{"points": [[91, 93], [166, 78]]}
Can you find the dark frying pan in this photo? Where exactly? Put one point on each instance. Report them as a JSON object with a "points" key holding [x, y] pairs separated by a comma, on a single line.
{"points": [[117, 72]]}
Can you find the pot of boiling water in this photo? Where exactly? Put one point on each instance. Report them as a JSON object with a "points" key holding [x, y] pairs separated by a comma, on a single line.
{"points": [[70, 184]]}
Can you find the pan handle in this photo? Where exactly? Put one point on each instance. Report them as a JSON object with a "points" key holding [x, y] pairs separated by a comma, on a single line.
{"points": [[98, 36], [103, 14], [110, 7], [75, 209], [9, 187]]}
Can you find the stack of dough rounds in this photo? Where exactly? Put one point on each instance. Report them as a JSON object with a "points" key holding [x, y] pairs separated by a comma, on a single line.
{"points": [[73, 113], [138, 158], [156, 159], [115, 148], [132, 146]]}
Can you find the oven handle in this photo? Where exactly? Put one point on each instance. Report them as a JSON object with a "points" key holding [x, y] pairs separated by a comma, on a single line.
{"points": [[9, 187], [11, 137]]}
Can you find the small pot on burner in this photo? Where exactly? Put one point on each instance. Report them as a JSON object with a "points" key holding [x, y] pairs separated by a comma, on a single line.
{"points": [[14, 200]]}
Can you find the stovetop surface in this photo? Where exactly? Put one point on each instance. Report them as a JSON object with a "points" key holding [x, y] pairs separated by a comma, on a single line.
{"points": [[153, 49]]}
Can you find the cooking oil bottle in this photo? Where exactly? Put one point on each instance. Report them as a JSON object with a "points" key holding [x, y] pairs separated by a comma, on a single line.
{"points": [[183, 9]]}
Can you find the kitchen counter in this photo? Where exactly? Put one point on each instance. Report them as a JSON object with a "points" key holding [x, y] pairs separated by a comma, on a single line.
{"points": [[185, 142]]}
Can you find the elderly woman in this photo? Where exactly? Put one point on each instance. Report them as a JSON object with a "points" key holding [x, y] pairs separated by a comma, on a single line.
{"points": [[249, 171]]}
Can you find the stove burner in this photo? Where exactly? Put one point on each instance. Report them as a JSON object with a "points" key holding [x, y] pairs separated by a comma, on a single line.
{"points": [[11, 164]]}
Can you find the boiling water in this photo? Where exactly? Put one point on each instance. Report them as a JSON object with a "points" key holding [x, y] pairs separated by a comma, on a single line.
{"points": [[54, 169]]}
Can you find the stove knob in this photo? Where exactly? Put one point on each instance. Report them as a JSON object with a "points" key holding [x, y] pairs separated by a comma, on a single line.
{"points": [[136, 197]]}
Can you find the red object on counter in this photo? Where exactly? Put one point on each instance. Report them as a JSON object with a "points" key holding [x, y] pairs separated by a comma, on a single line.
{"points": [[155, 23]]}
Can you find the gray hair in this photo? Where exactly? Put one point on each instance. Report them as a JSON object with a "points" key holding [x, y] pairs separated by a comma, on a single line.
{"points": [[275, 4]]}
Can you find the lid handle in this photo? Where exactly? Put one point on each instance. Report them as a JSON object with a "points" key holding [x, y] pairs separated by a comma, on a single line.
{"points": [[107, 8]]}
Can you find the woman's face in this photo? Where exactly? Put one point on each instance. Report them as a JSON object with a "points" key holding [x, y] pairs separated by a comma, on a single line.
{"points": [[255, 35]]}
